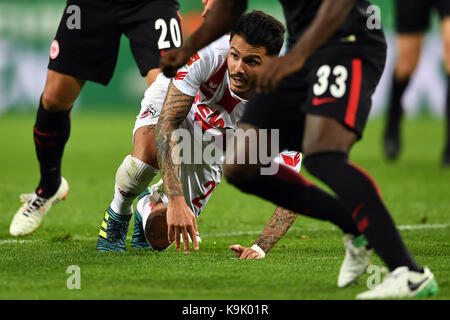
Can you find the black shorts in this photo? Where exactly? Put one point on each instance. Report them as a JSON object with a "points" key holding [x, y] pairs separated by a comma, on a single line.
{"points": [[335, 83], [413, 16], [86, 45]]}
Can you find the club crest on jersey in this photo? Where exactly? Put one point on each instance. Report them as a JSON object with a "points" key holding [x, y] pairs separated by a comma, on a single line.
{"points": [[148, 111], [291, 161], [54, 49]]}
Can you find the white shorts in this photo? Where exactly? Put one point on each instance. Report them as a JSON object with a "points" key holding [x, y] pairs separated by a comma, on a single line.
{"points": [[151, 104]]}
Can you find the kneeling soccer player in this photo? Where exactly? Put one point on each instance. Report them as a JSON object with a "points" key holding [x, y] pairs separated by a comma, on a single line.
{"points": [[216, 109], [221, 77]]}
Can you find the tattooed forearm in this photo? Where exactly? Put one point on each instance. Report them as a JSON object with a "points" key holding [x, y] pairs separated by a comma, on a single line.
{"points": [[277, 226], [175, 109]]}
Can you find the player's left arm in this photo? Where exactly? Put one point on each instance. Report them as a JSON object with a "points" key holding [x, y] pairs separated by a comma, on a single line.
{"points": [[330, 16], [277, 226]]}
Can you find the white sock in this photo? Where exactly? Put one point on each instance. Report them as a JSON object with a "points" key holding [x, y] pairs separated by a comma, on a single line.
{"points": [[132, 178]]}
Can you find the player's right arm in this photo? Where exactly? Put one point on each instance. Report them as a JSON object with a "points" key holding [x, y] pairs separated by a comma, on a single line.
{"points": [[180, 219], [222, 16], [277, 226]]}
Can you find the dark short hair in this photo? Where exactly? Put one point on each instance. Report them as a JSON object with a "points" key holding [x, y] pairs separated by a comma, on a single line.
{"points": [[260, 29]]}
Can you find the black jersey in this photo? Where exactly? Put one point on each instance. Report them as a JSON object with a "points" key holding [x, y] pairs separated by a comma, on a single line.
{"points": [[300, 13]]}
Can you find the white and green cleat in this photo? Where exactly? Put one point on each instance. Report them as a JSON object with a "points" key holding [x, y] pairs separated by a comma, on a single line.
{"points": [[403, 283], [357, 258], [28, 218]]}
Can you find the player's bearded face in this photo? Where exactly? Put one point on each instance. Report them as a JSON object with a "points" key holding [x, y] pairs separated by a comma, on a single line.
{"points": [[244, 63]]}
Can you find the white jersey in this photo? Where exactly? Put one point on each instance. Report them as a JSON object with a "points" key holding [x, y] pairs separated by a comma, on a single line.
{"points": [[216, 108]]}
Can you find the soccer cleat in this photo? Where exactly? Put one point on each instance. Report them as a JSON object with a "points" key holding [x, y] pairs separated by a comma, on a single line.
{"points": [[138, 239], [357, 258], [403, 283], [392, 139], [28, 218], [392, 145], [113, 232]]}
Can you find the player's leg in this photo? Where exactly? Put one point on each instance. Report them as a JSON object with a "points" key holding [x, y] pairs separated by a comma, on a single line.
{"points": [[199, 182], [139, 168], [409, 46], [326, 147], [52, 128], [51, 132], [330, 132], [412, 21], [286, 187], [85, 48], [446, 36]]}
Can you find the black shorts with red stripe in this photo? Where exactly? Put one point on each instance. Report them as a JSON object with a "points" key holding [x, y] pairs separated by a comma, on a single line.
{"points": [[336, 82], [86, 44]]}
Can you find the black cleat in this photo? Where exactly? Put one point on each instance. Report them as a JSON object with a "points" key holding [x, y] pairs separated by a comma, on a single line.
{"points": [[392, 143]]}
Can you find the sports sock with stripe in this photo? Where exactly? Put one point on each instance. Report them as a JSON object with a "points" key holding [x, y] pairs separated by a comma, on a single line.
{"points": [[360, 196], [51, 132]]}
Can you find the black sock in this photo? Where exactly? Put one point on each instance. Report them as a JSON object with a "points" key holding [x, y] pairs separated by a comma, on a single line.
{"points": [[395, 111], [51, 132], [360, 195], [292, 191]]}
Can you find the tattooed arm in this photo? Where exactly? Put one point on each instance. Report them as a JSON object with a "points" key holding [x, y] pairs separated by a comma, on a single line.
{"points": [[180, 219], [277, 226]]}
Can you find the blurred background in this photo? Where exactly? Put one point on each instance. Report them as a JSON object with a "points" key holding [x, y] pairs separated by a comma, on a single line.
{"points": [[27, 28]]}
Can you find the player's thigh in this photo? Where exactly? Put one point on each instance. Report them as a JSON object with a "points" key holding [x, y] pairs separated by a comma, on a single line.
{"points": [[340, 98], [279, 114], [60, 91], [446, 41], [144, 128], [412, 21], [153, 29], [87, 41], [199, 181], [144, 147], [238, 154], [151, 76], [409, 47]]}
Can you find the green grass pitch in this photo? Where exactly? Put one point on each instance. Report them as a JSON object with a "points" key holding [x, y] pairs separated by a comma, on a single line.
{"points": [[304, 264]]}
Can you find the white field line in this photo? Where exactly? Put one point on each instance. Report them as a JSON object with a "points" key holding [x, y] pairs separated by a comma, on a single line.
{"points": [[229, 234]]}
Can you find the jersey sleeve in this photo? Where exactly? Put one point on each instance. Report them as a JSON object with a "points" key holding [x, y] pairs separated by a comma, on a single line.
{"points": [[195, 72]]}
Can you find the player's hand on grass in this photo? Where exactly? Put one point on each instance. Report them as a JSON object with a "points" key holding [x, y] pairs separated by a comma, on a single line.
{"points": [[276, 69], [181, 221], [244, 252]]}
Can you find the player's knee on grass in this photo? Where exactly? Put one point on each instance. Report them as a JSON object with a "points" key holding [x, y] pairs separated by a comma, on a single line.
{"points": [[156, 228]]}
